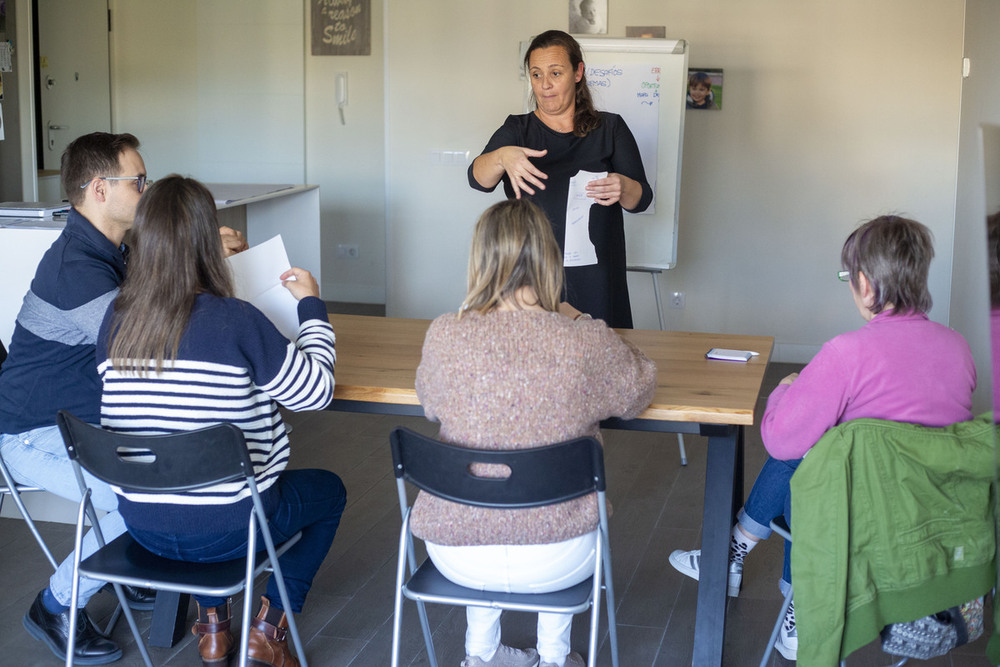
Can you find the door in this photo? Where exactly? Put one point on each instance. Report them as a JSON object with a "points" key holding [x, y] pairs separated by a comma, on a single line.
{"points": [[74, 92]]}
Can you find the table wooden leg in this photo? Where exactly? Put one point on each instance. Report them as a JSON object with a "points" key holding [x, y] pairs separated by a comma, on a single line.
{"points": [[724, 458], [169, 618]]}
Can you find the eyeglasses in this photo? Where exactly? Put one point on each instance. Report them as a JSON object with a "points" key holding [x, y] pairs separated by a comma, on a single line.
{"points": [[140, 181], [844, 276]]}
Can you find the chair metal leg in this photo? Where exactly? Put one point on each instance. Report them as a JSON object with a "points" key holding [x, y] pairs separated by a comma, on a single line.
{"points": [[12, 490], [406, 555], [247, 598], [123, 608], [397, 610], [282, 592], [425, 626], [595, 615], [609, 594], [680, 445], [113, 621], [777, 628]]}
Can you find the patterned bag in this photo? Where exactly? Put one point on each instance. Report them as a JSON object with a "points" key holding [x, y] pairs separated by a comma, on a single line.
{"points": [[935, 634]]}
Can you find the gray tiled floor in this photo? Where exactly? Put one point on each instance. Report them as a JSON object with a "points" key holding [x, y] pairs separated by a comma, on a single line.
{"points": [[348, 618]]}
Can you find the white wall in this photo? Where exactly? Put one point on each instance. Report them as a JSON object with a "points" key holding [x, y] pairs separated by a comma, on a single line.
{"points": [[347, 161], [214, 90], [833, 112]]}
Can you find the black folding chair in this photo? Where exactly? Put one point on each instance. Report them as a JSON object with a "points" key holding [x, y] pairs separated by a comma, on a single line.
{"points": [[171, 463], [540, 476]]}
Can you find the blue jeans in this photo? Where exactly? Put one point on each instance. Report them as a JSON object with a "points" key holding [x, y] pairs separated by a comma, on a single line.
{"points": [[308, 500], [38, 458], [770, 498]]}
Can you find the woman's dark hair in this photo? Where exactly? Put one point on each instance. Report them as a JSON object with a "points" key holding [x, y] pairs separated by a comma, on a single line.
{"points": [[895, 255], [176, 254], [586, 118]]}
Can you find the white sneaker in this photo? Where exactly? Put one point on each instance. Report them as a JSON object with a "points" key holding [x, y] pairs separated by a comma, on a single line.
{"points": [[787, 642], [688, 563], [574, 659], [505, 657]]}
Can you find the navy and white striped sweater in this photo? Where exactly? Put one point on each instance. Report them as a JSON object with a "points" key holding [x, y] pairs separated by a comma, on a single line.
{"points": [[232, 366]]}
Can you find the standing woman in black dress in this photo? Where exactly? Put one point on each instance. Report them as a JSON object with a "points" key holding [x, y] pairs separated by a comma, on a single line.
{"points": [[536, 154]]}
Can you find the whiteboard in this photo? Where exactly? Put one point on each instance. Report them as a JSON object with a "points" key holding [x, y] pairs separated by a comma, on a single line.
{"points": [[645, 81]]}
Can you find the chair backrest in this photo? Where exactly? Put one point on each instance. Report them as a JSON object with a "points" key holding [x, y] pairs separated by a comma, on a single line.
{"points": [[169, 463], [538, 476]]}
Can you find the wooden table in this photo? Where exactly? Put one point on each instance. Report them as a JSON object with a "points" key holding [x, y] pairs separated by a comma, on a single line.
{"points": [[377, 360]]}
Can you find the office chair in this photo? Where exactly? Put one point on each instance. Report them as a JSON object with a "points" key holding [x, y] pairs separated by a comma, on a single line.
{"points": [[14, 490], [175, 463], [540, 476]]}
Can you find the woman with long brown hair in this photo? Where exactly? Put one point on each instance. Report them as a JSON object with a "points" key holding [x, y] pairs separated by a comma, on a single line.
{"points": [[178, 352]]}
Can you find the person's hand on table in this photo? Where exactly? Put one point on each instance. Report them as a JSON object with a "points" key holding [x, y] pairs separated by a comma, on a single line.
{"points": [[300, 283], [788, 379], [522, 173], [232, 241], [615, 188]]}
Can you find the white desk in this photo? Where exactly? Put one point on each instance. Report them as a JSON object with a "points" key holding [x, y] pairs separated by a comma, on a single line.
{"points": [[23, 241], [263, 211]]}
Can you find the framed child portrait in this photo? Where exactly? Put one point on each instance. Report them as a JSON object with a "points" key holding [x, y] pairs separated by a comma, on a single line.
{"points": [[704, 89]]}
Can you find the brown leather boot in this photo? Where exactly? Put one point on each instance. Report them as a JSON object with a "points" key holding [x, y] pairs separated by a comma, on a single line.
{"points": [[269, 640], [215, 642]]}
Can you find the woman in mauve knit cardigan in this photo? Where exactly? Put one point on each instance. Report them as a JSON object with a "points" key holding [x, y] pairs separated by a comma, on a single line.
{"points": [[516, 369]]}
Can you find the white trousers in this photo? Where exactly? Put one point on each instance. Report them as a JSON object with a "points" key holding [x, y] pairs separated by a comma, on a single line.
{"points": [[517, 568]]}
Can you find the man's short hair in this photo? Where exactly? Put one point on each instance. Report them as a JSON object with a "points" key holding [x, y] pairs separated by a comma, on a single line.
{"points": [[90, 156]]}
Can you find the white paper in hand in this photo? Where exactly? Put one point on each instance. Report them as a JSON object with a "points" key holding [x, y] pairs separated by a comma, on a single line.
{"points": [[578, 250], [256, 278]]}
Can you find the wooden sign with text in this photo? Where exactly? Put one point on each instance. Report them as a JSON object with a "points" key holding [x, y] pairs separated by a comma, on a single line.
{"points": [[341, 27]]}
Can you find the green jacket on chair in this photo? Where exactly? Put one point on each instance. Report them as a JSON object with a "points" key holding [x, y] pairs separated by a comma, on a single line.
{"points": [[892, 522]]}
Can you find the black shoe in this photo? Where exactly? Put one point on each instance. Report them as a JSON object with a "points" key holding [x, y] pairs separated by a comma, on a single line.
{"points": [[139, 599], [92, 647]]}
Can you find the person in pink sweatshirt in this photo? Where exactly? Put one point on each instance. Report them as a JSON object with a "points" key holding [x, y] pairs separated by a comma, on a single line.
{"points": [[899, 366]]}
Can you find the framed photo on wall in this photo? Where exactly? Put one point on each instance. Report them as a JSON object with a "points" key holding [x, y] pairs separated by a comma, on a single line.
{"points": [[588, 17], [704, 89]]}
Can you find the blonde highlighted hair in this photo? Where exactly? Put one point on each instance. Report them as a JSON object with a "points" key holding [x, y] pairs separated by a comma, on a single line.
{"points": [[513, 247]]}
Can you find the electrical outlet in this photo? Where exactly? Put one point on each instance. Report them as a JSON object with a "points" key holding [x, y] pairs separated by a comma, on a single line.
{"points": [[677, 300], [348, 251]]}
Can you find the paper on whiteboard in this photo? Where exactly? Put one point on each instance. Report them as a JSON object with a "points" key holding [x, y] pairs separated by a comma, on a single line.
{"points": [[578, 250], [256, 279]]}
